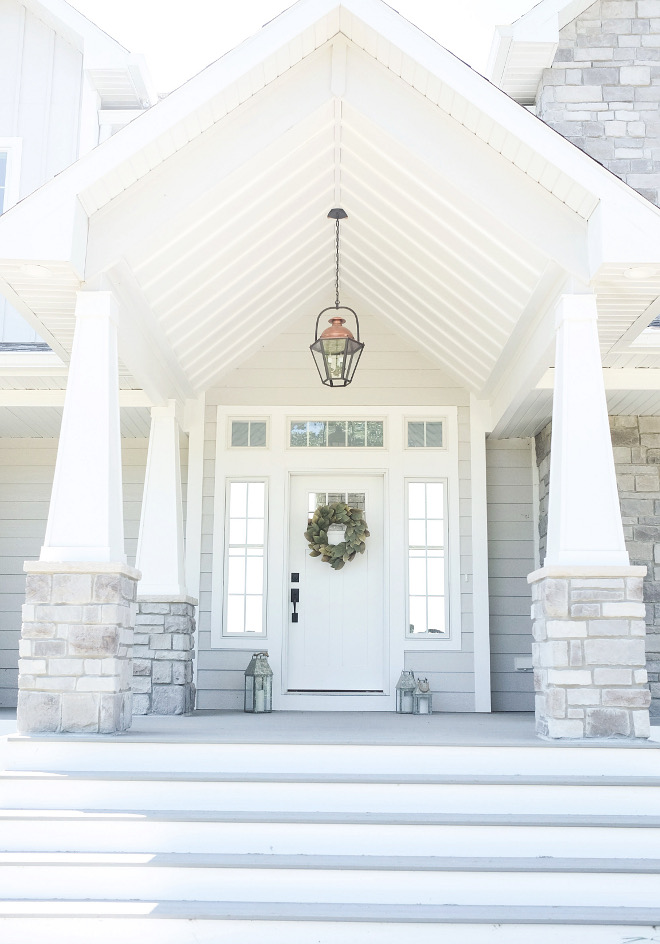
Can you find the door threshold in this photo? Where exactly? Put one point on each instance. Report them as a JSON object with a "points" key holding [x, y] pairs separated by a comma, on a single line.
{"points": [[325, 691]]}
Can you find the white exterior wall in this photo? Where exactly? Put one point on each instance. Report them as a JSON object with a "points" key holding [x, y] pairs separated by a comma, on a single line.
{"points": [[512, 556], [41, 78], [26, 477]]}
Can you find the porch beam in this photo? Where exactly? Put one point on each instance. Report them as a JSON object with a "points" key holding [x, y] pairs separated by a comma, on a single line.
{"points": [[37, 398], [614, 378]]}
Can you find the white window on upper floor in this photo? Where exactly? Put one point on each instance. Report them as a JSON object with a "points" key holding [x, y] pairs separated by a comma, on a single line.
{"points": [[10, 171]]}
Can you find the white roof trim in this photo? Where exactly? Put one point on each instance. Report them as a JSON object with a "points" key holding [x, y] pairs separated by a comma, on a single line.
{"points": [[520, 52], [100, 51]]}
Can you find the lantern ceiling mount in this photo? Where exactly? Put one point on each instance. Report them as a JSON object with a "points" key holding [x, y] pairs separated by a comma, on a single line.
{"points": [[337, 351]]}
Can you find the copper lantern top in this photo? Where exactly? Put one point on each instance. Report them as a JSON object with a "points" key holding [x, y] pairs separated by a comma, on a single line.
{"points": [[336, 330]]}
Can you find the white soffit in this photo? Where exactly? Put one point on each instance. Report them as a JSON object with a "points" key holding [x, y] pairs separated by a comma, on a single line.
{"points": [[521, 52]]}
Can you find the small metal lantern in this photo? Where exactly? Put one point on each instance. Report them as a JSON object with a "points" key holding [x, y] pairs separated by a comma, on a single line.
{"points": [[422, 699], [405, 688], [259, 684]]}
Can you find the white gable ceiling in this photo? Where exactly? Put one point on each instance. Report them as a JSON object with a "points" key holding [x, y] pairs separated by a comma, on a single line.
{"points": [[207, 215]]}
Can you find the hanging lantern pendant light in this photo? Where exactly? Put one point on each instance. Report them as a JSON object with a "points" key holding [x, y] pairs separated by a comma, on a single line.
{"points": [[336, 352]]}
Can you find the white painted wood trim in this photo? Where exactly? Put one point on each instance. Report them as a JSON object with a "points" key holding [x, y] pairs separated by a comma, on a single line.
{"points": [[479, 425], [194, 426], [536, 509], [160, 552]]}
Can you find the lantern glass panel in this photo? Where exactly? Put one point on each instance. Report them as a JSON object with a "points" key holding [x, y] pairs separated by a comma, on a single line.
{"points": [[422, 703]]}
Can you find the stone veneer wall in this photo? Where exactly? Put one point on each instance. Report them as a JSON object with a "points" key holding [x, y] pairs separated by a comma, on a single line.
{"points": [[636, 443], [76, 648], [588, 655], [603, 89], [163, 653]]}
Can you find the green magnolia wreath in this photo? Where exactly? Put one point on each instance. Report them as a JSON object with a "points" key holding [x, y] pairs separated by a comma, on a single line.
{"points": [[317, 534]]}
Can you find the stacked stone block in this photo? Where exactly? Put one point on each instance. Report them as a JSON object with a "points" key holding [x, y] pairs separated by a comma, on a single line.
{"points": [[163, 656], [589, 655], [603, 89], [76, 648], [636, 445]]}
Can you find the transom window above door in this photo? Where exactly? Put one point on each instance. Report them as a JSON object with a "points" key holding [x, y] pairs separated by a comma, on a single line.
{"points": [[337, 434]]}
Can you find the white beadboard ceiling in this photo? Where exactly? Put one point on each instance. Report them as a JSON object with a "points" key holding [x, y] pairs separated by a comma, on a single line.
{"points": [[207, 215]]}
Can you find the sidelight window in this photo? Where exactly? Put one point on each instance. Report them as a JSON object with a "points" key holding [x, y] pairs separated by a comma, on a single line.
{"points": [[427, 544], [245, 571]]}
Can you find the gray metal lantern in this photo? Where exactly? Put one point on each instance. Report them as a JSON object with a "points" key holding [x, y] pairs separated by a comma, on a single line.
{"points": [[405, 688], [422, 698], [336, 351], [259, 684]]}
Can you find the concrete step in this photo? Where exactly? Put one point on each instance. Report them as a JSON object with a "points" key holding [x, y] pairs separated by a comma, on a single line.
{"points": [[339, 793], [183, 922], [327, 834], [403, 880], [133, 754]]}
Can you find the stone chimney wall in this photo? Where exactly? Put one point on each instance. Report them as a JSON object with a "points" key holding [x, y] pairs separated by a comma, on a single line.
{"points": [[603, 89]]}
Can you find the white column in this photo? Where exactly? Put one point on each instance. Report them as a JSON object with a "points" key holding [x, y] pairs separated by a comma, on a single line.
{"points": [[85, 518], [584, 518], [160, 553]]}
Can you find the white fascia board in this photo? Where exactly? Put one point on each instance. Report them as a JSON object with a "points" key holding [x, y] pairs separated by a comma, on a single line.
{"points": [[31, 364], [81, 32], [53, 239]]}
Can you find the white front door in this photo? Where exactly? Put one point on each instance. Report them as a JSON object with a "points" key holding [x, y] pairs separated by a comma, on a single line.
{"points": [[338, 643]]}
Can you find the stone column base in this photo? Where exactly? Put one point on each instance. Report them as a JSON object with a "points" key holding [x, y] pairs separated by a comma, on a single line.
{"points": [[589, 652], [76, 647], [163, 655]]}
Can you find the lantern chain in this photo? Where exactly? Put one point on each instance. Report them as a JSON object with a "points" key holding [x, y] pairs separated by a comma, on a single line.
{"points": [[337, 264]]}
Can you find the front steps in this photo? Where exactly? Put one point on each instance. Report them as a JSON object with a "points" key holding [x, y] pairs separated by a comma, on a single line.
{"points": [[172, 841]]}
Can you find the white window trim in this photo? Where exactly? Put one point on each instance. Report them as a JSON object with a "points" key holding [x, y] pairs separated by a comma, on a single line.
{"points": [[13, 148], [425, 419], [432, 637], [244, 637], [247, 419], [322, 418]]}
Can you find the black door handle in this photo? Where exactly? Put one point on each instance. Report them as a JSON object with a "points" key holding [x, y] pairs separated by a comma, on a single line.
{"points": [[295, 599]]}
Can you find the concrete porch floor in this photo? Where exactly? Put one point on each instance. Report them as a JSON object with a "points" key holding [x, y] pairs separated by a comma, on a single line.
{"points": [[343, 727]]}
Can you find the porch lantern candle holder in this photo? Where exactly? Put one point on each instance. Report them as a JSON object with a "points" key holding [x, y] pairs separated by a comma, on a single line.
{"points": [[405, 689], [422, 699], [337, 351], [259, 684]]}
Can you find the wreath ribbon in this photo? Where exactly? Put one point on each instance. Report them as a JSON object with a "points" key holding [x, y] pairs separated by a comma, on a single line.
{"points": [[354, 539]]}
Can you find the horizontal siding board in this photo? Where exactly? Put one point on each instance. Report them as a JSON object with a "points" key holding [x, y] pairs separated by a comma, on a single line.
{"points": [[511, 552]]}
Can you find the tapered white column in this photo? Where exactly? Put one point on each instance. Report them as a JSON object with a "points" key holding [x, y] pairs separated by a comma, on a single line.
{"points": [[588, 608], [165, 622], [75, 666], [160, 553], [85, 518], [584, 518]]}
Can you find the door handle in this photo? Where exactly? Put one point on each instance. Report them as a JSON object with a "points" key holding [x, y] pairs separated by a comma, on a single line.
{"points": [[295, 600]]}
